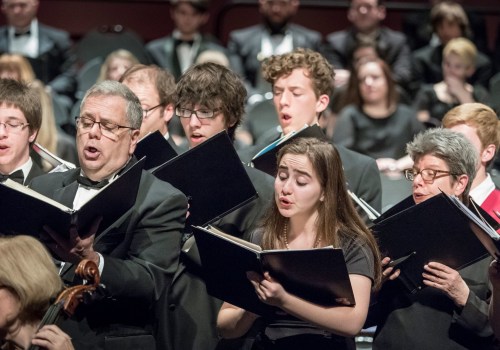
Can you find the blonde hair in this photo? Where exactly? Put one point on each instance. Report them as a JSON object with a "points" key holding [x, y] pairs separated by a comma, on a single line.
{"points": [[28, 271], [120, 53], [18, 65], [47, 135], [464, 49]]}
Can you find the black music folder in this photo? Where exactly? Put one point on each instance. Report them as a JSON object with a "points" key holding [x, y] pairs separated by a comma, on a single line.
{"points": [[317, 275], [265, 159], [213, 178], [25, 211], [155, 148], [441, 229]]}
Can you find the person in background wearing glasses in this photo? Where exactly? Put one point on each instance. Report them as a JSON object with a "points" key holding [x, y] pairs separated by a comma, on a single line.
{"points": [[452, 312], [20, 120], [155, 88], [138, 254], [210, 99]]}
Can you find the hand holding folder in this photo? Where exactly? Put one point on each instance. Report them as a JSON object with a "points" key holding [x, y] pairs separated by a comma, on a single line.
{"points": [[441, 229], [317, 275]]}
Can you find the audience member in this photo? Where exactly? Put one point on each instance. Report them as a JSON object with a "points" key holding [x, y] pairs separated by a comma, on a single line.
{"points": [[434, 100], [449, 21], [210, 99], [155, 88], [366, 17], [375, 123], [418, 29], [276, 35], [50, 136], [451, 312], [47, 48], [480, 125], [138, 254], [302, 82], [179, 50], [28, 284], [20, 121], [115, 64], [311, 210]]}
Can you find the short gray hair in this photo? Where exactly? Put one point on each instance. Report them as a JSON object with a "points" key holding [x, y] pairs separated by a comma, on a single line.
{"points": [[452, 147], [113, 88]]}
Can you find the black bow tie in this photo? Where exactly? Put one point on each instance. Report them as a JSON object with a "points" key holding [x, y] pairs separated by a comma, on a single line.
{"points": [[16, 176], [180, 41], [18, 34], [85, 181]]}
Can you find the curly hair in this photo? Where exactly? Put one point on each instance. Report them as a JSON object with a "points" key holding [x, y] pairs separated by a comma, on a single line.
{"points": [[318, 69]]}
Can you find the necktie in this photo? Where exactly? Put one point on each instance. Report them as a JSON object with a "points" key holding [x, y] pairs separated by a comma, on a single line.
{"points": [[85, 181], [19, 34], [16, 176]]}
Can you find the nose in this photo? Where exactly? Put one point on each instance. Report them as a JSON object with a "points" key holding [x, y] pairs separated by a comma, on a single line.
{"points": [[287, 188], [284, 99], [3, 130], [193, 120], [95, 131]]}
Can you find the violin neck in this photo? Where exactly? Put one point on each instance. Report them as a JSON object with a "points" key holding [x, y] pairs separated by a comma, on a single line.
{"points": [[51, 317]]}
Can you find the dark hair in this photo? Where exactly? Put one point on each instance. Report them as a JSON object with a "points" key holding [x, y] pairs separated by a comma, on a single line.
{"points": [[338, 221], [353, 95], [163, 80], [450, 11], [22, 96], [216, 87], [201, 6], [318, 69]]}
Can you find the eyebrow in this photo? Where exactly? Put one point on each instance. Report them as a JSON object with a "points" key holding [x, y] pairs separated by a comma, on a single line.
{"points": [[300, 172]]}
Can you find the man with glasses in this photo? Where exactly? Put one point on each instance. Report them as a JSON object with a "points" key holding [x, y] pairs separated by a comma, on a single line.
{"points": [[210, 99], [155, 88], [20, 120], [138, 254], [452, 312]]}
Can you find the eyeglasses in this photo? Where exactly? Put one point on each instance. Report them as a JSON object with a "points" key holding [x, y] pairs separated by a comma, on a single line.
{"points": [[107, 129], [145, 112], [200, 113], [14, 126], [427, 174]]}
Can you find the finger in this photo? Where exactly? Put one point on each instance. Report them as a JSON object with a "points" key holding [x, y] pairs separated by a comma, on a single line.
{"points": [[395, 275], [385, 261]]}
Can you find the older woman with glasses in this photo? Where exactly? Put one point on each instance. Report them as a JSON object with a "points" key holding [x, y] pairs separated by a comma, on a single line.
{"points": [[452, 312]]}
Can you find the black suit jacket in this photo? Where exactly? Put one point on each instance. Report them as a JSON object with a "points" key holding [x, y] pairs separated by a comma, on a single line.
{"points": [[35, 171], [140, 253], [391, 46], [244, 46], [163, 53], [54, 65], [192, 313], [360, 171]]}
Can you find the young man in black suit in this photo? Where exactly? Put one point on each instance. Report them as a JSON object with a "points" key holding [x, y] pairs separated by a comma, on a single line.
{"points": [[210, 99], [248, 47], [302, 84], [138, 254], [47, 48], [20, 120], [179, 50]]}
